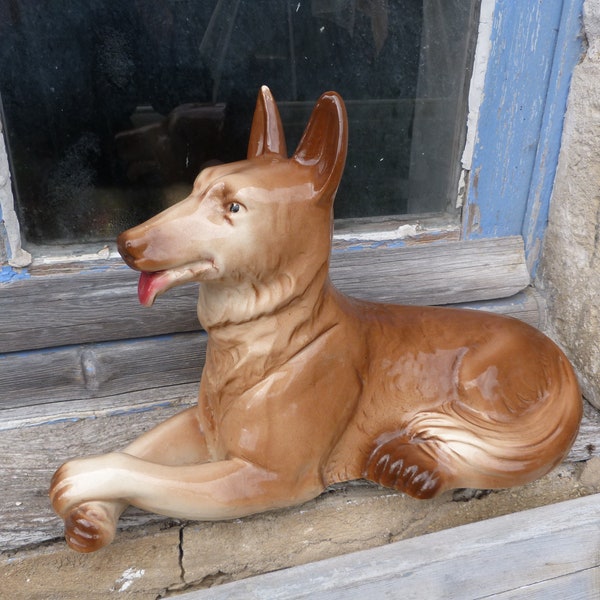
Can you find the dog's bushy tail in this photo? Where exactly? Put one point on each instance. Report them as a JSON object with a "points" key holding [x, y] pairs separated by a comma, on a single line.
{"points": [[457, 446]]}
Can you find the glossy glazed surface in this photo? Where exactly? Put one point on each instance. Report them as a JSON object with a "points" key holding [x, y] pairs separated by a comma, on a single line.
{"points": [[302, 386]]}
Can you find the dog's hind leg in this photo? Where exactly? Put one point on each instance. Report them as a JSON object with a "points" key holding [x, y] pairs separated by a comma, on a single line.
{"points": [[410, 463], [91, 525], [458, 447]]}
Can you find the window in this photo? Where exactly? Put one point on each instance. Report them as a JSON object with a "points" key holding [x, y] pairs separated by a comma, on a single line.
{"points": [[111, 109], [70, 319]]}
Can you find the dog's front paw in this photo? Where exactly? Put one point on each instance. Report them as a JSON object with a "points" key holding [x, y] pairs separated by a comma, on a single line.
{"points": [[90, 526], [61, 486], [84, 480]]}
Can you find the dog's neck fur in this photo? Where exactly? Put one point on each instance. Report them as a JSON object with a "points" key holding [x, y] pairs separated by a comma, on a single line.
{"points": [[249, 323], [224, 308]]}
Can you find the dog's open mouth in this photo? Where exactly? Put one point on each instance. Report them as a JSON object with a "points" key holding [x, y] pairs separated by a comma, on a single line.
{"points": [[153, 284]]}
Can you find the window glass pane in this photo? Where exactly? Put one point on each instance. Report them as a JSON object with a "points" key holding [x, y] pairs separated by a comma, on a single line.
{"points": [[112, 108]]}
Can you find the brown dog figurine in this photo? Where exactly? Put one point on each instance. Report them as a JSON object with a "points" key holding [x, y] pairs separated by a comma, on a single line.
{"points": [[304, 387]]}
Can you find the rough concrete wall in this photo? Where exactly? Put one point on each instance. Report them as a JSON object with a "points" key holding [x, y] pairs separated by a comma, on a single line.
{"points": [[570, 269]]}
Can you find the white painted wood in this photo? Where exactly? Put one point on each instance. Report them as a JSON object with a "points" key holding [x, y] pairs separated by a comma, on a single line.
{"points": [[477, 84], [10, 235], [538, 553]]}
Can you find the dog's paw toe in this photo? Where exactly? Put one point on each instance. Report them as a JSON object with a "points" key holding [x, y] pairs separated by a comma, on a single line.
{"points": [[419, 483], [406, 466], [89, 527]]}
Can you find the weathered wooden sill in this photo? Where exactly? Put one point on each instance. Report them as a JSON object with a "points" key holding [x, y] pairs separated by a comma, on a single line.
{"points": [[153, 557], [80, 334], [63, 401], [547, 553]]}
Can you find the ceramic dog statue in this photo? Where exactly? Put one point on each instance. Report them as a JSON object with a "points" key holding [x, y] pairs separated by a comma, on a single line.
{"points": [[304, 387]]}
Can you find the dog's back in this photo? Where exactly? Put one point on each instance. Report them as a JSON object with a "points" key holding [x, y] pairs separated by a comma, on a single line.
{"points": [[454, 398]]}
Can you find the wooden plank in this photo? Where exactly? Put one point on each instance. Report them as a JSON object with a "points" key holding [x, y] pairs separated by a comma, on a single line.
{"points": [[36, 440], [95, 371], [435, 274], [587, 443], [154, 401], [31, 454], [66, 304], [579, 585], [488, 559], [61, 307], [100, 370], [527, 306]]}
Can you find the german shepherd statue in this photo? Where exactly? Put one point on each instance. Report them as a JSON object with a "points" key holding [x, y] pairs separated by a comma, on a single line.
{"points": [[304, 387]]}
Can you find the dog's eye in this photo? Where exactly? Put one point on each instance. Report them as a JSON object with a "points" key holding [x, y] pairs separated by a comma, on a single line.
{"points": [[234, 207]]}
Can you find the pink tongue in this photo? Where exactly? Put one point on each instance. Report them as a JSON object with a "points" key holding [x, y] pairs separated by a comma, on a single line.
{"points": [[146, 289]]}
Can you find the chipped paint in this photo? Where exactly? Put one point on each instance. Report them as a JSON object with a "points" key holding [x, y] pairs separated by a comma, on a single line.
{"points": [[570, 49], [533, 51], [404, 231], [517, 78], [129, 576], [474, 224], [10, 274]]}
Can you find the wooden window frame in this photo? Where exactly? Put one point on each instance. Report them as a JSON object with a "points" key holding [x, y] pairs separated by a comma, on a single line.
{"points": [[82, 304]]}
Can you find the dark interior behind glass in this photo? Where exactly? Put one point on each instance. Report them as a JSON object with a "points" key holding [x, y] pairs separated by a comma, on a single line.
{"points": [[110, 109]]}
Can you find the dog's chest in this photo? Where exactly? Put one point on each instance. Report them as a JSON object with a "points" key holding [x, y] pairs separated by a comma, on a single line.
{"points": [[268, 421], [241, 416]]}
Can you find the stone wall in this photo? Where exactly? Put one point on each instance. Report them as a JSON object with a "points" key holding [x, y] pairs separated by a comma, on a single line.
{"points": [[570, 269]]}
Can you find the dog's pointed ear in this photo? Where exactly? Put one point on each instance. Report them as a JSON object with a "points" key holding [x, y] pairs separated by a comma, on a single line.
{"points": [[324, 144], [266, 135]]}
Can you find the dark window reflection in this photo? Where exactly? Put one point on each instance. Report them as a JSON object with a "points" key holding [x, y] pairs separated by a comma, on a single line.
{"points": [[112, 108]]}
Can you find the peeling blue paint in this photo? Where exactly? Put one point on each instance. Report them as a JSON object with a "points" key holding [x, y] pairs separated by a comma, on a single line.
{"points": [[570, 47], [10, 274], [535, 47], [517, 79], [369, 245]]}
